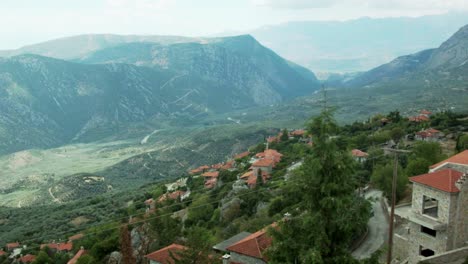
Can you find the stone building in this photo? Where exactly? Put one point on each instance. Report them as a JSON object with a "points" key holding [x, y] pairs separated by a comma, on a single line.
{"points": [[438, 218], [250, 249]]}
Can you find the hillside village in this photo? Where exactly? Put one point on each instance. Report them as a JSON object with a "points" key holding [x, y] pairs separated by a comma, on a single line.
{"points": [[229, 212]]}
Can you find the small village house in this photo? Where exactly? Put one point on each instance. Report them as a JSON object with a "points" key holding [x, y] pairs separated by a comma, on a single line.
{"points": [[359, 156], [163, 256], [78, 255]]}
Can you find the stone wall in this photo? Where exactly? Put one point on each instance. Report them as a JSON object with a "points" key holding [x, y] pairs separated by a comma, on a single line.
{"points": [[400, 247], [458, 167], [456, 256]]}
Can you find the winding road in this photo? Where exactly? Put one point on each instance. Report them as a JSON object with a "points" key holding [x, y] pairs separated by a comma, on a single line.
{"points": [[378, 228]]}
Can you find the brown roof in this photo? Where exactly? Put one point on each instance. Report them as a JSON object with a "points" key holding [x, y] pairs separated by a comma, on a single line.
{"points": [[164, 255], [78, 254], [228, 165], [59, 246], [28, 258], [425, 112], [211, 183], [419, 118], [443, 180], [173, 196], [253, 245], [298, 132], [241, 155], [2, 252], [460, 158], [246, 175], [76, 237], [13, 245], [211, 174], [263, 163], [359, 153]]}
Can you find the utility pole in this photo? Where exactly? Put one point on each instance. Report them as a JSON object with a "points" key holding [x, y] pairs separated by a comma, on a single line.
{"points": [[392, 212]]}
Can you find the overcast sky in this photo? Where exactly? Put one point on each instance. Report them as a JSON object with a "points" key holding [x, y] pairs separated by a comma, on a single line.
{"points": [[25, 22]]}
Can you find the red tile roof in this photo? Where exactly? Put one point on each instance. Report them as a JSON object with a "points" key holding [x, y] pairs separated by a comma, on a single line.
{"points": [[242, 155], [13, 245], [2, 252], [172, 196], [228, 165], [214, 174], [358, 153], [59, 246], [149, 201], [217, 166], [298, 132], [460, 158], [76, 237], [196, 171], [211, 183], [419, 118], [164, 255], [263, 163], [443, 180], [425, 112], [28, 258], [253, 245], [272, 139], [78, 254], [246, 175]]}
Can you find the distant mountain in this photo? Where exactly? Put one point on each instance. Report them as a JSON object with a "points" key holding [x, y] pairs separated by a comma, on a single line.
{"points": [[448, 64], [46, 102], [77, 46], [357, 45]]}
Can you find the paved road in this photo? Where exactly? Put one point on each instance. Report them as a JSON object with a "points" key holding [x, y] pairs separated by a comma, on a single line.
{"points": [[378, 228]]}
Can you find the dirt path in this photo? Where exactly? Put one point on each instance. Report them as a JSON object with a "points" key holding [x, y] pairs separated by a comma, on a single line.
{"points": [[53, 197]]}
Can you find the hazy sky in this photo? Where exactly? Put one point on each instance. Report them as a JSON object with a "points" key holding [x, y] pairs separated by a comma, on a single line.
{"points": [[30, 21]]}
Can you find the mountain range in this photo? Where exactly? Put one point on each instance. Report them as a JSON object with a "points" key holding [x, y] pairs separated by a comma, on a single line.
{"points": [[48, 102], [359, 44]]}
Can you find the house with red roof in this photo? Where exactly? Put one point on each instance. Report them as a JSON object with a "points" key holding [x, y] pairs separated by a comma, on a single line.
{"points": [[249, 249], [263, 165], [437, 221], [27, 259], [165, 255], [78, 255], [242, 155], [419, 118], [211, 179], [359, 155], [59, 246], [458, 162], [425, 112], [12, 246], [430, 134], [172, 196]]}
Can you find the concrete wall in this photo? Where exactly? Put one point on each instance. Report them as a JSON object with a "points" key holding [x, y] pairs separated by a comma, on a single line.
{"points": [[400, 247], [245, 259], [456, 256]]}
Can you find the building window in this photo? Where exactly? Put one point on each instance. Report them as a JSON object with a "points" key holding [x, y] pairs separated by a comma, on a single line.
{"points": [[428, 231], [430, 206], [426, 252]]}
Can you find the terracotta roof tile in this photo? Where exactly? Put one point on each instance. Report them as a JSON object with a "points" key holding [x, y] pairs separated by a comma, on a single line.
{"points": [[214, 174], [253, 245], [28, 258], [443, 180], [460, 158], [13, 245], [164, 255], [78, 254], [242, 155], [359, 153], [2, 252], [59, 246], [263, 163]]}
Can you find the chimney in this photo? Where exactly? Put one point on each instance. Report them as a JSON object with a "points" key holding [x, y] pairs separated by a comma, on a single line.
{"points": [[226, 258]]}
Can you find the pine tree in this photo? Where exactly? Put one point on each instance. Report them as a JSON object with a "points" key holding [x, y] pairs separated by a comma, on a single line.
{"points": [[330, 213], [126, 246]]}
